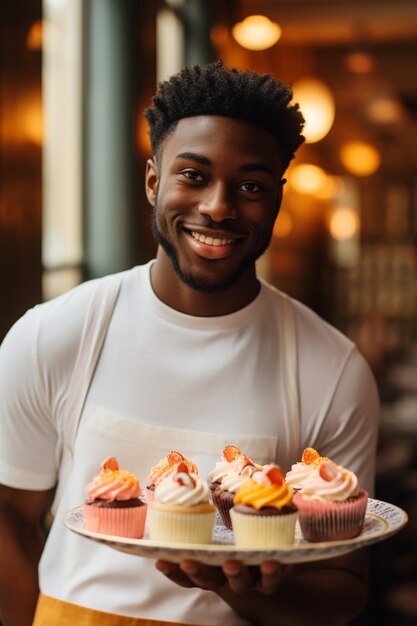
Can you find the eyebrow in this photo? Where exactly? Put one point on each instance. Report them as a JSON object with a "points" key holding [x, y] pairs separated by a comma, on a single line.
{"points": [[248, 167]]}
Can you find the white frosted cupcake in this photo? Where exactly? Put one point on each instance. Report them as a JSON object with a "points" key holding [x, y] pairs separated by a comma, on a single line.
{"points": [[229, 474], [165, 466], [181, 510]]}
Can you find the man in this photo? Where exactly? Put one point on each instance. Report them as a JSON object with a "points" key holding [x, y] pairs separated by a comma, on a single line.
{"points": [[190, 352]]}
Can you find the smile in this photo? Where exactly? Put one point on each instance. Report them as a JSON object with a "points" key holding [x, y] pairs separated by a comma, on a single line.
{"points": [[211, 241]]}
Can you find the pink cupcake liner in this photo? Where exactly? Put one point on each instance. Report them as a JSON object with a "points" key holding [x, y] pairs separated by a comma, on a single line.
{"points": [[331, 521], [122, 522]]}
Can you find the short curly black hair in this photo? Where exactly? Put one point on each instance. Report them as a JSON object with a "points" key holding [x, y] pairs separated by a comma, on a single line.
{"points": [[214, 89]]}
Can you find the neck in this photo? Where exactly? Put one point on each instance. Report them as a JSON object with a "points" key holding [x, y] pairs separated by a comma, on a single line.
{"points": [[170, 289]]}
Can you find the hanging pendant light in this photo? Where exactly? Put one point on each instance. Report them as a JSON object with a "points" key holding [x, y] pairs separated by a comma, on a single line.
{"points": [[317, 105], [256, 32]]}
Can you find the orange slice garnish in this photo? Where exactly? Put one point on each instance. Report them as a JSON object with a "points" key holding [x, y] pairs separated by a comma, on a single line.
{"points": [[230, 453], [110, 464], [174, 457], [309, 456]]}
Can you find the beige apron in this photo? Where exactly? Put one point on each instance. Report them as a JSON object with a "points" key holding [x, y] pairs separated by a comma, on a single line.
{"points": [[51, 611]]}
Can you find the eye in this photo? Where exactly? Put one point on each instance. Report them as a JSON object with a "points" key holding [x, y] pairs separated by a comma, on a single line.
{"points": [[250, 187], [192, 175]]}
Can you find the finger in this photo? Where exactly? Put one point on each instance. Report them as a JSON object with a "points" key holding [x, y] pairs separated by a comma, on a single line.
{"points": [[271, 576], [174, 573], [203, 576], [238, 576]]}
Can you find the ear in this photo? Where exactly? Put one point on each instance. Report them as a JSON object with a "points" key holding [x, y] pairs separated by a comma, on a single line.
{"points": [[151, 181]]}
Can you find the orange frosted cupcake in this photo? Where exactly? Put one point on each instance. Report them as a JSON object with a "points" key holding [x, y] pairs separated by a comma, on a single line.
{"points": [[113, 506], [303, 469], [264, 514], [163, 468], [331, 504], [182, 510], [229, 474]]}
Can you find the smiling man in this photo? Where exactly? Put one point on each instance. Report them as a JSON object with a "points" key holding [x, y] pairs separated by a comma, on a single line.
{"points": [[189, 352]]}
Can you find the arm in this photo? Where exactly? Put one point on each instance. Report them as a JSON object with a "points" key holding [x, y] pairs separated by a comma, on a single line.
{"points": [[329, 592], [22, 537]]}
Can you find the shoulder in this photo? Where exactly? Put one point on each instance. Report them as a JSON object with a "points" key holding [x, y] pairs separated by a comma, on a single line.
{"points": [[51, 331], [313, 332]]}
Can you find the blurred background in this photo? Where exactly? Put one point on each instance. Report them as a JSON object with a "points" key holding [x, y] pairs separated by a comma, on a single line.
{"points": [[75, 77]]}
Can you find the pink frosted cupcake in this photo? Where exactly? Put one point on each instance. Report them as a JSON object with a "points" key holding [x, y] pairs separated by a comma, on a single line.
{"points": [[331, 505], [182, 510], [113, 506], [163, 468], [230, 473]]}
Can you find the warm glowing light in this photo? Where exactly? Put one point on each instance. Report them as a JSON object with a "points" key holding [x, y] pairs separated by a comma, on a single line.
{"points": [[34, 36], [283, 225], [360, 158], [317, 105], [360, 62], [256, 32], [142, 135], [343, 224], [308, 179], [385, 110]]}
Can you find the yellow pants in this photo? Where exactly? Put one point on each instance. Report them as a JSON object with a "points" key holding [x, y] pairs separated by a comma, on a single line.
{"points": [[53, 612]]}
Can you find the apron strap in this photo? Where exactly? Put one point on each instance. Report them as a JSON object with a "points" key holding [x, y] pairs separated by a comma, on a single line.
{"points": [[289, 378], [53, 612], [96, 322]]}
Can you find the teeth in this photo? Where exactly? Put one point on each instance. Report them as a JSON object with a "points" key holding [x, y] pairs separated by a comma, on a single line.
{"points": [[210, 241]]}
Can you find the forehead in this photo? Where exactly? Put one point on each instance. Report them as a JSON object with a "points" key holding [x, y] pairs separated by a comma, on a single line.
{"points": [[218, 137]]}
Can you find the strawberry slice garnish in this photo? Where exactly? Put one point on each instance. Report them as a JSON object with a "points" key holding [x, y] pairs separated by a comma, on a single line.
{"points": [[183, 477], [328, 470], [309, 456], [275, 474]]}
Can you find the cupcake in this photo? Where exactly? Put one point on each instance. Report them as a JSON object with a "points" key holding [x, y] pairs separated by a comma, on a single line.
{"points": [[301, 470], [113, 506], [166, 465], [181, 510], [331, 504], [229, 474], [263, 513]]}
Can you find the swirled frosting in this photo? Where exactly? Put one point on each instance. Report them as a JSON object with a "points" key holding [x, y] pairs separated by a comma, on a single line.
{"points": [[169, 464], [330, 483], [266, 489], [302, 470], [113, 483], [233, 470], [182, 488]]}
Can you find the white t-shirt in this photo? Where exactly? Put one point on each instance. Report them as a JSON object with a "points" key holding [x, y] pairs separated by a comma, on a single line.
{"points": [[166, 380]]}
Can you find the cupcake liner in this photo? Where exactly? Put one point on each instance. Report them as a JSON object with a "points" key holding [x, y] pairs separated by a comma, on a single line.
{"points": [[263, 531], [149, 494], [331, 521], [120, 521], [223, 503], [181, 527]]}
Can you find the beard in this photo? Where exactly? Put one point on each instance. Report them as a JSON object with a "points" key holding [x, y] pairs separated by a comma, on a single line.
{"points": [[195, 282]]}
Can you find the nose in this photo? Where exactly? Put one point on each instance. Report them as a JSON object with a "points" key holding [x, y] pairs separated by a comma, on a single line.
{"points": [[217, 203]]}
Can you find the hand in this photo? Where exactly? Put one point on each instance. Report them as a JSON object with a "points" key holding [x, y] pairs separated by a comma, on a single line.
{"points": [[233, 576]]}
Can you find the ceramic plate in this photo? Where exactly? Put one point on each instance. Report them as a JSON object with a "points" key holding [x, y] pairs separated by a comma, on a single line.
{"points": [[382, 520]]}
